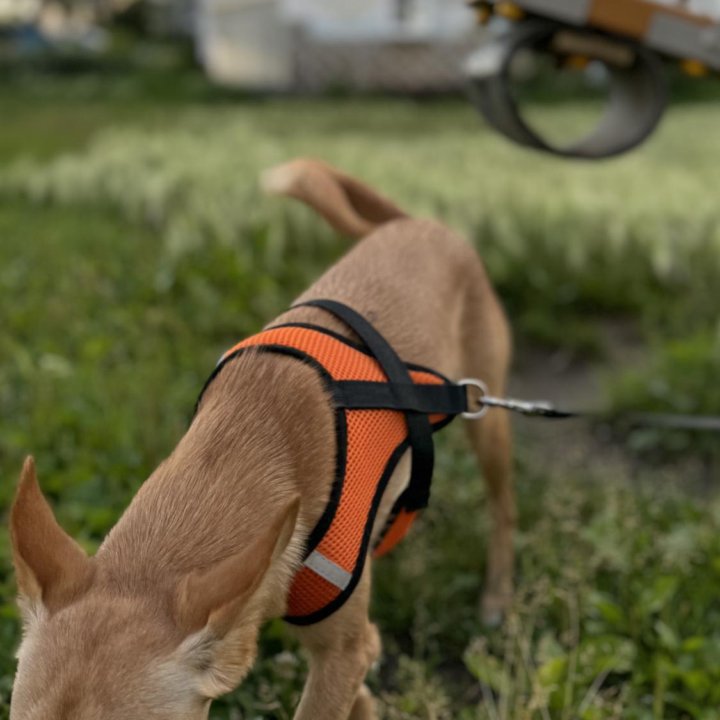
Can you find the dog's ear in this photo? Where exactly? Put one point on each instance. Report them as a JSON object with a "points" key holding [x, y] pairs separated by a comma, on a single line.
{"points": [[52, 570], [209, 603], [349, 206], [213, 598]]}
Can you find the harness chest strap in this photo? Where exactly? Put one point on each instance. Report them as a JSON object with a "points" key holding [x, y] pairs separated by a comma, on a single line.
{"points": [[383, 407]]}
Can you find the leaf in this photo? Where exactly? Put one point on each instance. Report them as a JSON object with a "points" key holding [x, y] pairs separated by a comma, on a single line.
{"points": [[668, 639], [655, 596], [610, 611], [486, 668], [552, 673], [605, 654], [698, 682]]}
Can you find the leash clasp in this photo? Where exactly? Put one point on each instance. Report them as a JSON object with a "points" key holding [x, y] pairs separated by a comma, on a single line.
{"points": [[485, 401], [483, 392]]}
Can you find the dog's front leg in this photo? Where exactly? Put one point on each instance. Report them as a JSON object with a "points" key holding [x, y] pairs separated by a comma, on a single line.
{"points": [[342, 648]]}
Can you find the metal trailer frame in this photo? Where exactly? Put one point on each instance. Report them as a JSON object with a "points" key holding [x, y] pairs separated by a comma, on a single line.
{"points": [[670, 30], [629, 37]]}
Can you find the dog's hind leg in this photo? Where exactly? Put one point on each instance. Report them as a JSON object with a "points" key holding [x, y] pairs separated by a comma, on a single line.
{"points": [[487, 346], [490, 438], [364, 707], [342, 648]]}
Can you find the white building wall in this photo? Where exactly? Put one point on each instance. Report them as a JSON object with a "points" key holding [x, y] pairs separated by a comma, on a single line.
{"points": [[244, 42], [273, 43], [373, 20]]}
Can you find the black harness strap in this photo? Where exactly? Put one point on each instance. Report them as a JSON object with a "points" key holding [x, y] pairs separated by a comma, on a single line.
{"points": [[402, 394], [427, 399]]}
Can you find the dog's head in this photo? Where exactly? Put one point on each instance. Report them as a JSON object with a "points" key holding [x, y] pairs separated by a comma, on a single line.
{"points": [[91, 650]]}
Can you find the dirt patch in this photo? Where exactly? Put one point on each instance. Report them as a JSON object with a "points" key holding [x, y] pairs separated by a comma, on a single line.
{"points": [[580, 447]]}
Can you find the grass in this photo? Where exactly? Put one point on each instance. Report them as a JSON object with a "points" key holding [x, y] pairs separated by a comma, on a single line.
{"points": [[135, 247]]}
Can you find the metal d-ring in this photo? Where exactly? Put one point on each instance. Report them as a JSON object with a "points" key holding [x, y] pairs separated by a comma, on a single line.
{"points": [[483, 388]]}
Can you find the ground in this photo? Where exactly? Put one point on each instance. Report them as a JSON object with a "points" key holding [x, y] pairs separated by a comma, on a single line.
{"points": [[135, 247]]}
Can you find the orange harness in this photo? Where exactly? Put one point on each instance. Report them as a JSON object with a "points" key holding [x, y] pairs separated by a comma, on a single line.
{"points": [[383, 407]]}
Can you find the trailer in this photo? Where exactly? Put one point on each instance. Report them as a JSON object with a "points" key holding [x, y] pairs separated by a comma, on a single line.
{"points": [[632, 39]]}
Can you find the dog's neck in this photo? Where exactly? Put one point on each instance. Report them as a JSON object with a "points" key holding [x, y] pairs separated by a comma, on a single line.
{"points": [[264, 431]]}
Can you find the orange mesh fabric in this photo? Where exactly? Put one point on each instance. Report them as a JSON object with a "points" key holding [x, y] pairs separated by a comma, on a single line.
{"points": [[340, 360], [397, 531], [309, 593], [372, 438]]}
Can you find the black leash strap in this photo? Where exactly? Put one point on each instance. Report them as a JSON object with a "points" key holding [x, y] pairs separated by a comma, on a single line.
{"points": [[675, 421], [390, 395], [543, 409]]}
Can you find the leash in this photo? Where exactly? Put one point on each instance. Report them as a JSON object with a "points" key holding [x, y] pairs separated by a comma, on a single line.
{"points": [[484, 402]]}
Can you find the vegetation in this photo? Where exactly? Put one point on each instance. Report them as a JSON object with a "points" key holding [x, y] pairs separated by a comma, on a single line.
{"points": [[135, 247]]}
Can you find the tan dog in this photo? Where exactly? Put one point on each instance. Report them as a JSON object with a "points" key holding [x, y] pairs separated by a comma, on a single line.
{"points": [[166, 616]]}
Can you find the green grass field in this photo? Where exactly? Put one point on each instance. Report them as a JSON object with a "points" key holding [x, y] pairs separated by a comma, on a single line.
{"points": [[135, 247]]}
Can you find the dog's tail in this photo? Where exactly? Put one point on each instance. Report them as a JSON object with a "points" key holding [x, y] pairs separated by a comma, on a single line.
{"points": [[349, 206]]}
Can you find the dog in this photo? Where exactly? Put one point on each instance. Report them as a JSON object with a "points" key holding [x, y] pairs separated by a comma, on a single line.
{"points": [[165, 617]]}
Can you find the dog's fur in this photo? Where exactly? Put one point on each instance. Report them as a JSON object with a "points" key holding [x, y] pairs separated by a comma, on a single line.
{"points": [[166, 616]]}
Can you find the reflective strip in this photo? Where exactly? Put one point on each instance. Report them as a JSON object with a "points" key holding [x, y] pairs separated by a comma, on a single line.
{"points": [[574, 11], [328, 570], [684, 38]]}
